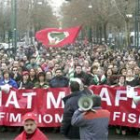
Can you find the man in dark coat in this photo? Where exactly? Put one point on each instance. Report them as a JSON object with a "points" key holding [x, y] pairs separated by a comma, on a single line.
{"points": [[71, 104], [59, 80], [81, 74], [15, 75]]}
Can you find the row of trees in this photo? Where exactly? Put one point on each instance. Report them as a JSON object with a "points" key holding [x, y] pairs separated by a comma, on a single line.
{"points": [[32, 15], [100, 16]]}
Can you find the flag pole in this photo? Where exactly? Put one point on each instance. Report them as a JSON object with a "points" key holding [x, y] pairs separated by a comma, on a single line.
{"points": [[37, 54]]}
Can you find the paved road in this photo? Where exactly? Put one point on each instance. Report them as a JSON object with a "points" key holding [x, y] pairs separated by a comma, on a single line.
{"points": [[57, 136]]}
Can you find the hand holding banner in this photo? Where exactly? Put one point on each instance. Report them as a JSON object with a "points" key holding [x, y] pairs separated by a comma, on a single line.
{"points": [[130, 91], [47, 104]]}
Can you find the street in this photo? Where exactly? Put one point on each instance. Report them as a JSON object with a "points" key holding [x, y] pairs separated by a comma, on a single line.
{"points": [[57, 136]]}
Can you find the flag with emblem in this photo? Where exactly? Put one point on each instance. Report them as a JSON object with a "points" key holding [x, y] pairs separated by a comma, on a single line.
{"points": [[53, 37]]}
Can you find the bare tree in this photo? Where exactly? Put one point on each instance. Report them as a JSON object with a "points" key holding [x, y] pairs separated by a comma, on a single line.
{"points": [[5, 20], [102, 17], [34, 15]]}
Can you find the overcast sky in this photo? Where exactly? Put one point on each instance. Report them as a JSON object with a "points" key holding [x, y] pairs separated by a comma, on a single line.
{"points": [[56, 3]]}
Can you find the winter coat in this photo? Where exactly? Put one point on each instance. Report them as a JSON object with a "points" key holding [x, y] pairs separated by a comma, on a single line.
{"points": [[38, 135], [27, 85], [38, 85], [71, 104], [17, 78], [59, 82], [93, 125], [11, 82], [85, 78]]}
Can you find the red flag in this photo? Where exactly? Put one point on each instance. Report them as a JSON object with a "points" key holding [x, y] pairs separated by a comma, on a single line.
{"points": [[57, 37]]}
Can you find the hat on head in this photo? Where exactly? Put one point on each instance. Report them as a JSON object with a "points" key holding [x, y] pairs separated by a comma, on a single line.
{"points": [[25, 73], [29, 116]]}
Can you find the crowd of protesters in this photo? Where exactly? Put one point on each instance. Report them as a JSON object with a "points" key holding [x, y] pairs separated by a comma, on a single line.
{"points": [[41, 67]]}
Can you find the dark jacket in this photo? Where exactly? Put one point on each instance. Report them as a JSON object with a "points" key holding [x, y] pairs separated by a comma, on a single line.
{"points": [[85, 78], [135, 82], [17, 78], [59, 82], [33, 81], [71, 104], [27, 85]]}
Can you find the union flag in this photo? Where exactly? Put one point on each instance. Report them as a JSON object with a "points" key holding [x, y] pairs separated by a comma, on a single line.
{"points": [[53, 37]]}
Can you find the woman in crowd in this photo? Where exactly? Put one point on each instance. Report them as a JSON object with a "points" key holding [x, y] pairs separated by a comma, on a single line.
{"points": [[109, 74], [6, 79], [131, 79], [41, 81], [25, 83], [32, 76]]}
